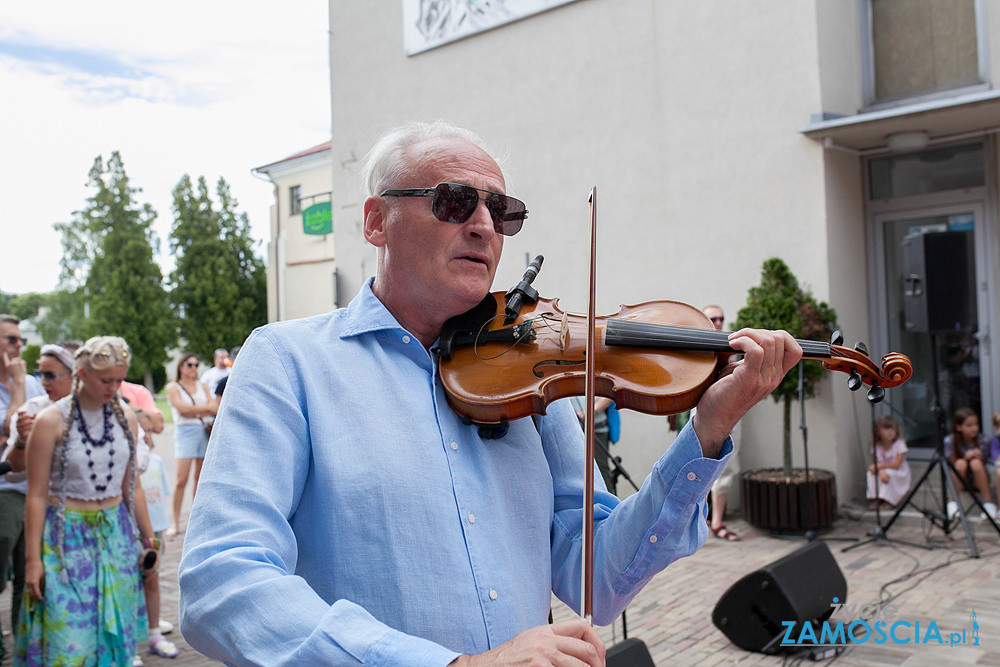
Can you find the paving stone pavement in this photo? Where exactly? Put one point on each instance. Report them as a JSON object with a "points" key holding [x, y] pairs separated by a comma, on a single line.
{"points": [[672, 615]]}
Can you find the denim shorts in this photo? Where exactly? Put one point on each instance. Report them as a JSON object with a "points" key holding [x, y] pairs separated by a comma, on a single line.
{"points": [[190, 441]]}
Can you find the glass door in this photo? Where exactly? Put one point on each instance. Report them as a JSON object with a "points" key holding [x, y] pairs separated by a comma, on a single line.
{"points": [[933, 307]]}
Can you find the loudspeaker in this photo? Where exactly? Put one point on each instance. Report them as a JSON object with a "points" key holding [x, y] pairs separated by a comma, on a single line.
{"points": [[629, 653], [939, 291], [799, 587]]}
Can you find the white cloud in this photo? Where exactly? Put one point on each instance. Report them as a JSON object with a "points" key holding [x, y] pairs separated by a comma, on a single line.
{"points": [[210, 89]]}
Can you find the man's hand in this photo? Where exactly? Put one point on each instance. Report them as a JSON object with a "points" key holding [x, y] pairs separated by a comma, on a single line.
{"points": [[567, 644], [767, 357], [17, 369]]}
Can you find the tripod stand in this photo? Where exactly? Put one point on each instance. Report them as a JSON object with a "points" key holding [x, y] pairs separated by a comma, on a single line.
{"points": [[943, 464], [879, 533], [616, 461]]}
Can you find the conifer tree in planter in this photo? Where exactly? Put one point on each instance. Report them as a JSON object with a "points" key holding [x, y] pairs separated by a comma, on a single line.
{"points": [[794, 502]]}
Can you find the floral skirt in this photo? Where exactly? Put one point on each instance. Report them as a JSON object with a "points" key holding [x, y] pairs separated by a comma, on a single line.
{"points": [[96, 616]]}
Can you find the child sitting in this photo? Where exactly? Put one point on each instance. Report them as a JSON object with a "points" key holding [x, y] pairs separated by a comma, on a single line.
{"points": [[968, 450], [891, 465]]}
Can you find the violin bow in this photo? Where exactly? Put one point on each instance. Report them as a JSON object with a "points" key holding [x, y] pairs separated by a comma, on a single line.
{"points": [[588, 459]]}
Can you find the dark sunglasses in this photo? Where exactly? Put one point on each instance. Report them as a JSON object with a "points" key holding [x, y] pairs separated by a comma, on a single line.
{"points": [[717, 320], [13, 340], [191, 365], [49, 376], [454, 202]]}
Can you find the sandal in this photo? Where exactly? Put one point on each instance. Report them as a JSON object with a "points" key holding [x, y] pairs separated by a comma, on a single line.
{"points": [[163, 647], [724, 533]]}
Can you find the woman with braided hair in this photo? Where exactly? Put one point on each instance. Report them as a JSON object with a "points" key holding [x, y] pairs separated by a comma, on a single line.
{"points": [[83, 601]]}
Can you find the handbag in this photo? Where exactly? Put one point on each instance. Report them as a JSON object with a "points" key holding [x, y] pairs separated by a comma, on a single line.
{"points": [[207, 425]]}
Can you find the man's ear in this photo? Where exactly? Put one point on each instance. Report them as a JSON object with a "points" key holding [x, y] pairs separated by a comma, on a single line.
{"points": [[376, 214]]}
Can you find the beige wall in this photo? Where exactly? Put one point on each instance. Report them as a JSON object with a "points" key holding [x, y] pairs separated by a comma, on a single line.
{"points": [[300, 265], [686, 118]]}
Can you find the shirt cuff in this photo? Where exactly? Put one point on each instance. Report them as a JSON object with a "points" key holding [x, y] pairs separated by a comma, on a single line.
{"points": [[397, 648]]}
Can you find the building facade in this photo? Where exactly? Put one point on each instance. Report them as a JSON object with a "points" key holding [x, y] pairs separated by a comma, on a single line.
{"points": [[849, 138], [301, 276]]}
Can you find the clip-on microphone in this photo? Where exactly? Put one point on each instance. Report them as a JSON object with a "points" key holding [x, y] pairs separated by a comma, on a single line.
{"points": [[517, 294]]}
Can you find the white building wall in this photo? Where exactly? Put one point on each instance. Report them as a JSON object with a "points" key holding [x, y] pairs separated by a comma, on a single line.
{"points": [[300, 266], [684, 115]]}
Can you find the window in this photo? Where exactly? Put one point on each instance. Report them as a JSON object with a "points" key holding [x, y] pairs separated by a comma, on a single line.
{"points": [[920, 47], [928, 172], [294, 194]]}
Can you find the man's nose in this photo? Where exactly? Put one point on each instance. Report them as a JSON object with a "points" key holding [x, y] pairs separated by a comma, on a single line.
{"points": [[480, 222]]}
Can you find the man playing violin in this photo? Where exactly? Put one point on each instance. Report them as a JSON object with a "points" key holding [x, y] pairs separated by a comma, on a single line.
{"points": [[347, 515]]}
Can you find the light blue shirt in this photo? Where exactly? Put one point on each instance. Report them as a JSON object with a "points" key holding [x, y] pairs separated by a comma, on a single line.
{"points": [[345, 514], [32, 388]]}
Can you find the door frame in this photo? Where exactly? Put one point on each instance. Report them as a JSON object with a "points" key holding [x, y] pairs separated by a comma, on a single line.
{"points": [[982, 203]]}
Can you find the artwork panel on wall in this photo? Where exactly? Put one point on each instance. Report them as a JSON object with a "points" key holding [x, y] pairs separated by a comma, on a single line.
{"points": [[430, 23]]}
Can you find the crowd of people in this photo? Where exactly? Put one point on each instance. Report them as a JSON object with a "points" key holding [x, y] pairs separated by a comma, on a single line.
{"points": [[390, 531], [84, 500]]}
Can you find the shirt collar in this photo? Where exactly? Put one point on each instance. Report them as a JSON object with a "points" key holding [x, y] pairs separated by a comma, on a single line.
{"points": [[366, 314]]}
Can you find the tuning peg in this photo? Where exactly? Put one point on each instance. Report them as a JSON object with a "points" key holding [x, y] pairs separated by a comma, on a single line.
{"points": [[876, 394], [837, 338], [854, 381], [862, 348]]}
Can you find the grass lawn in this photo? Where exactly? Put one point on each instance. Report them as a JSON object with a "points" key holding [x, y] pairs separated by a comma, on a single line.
{"points": [[164, 406]]}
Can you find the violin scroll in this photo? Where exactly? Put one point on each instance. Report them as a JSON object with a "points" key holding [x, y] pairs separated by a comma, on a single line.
{"points": [[895, 370]]}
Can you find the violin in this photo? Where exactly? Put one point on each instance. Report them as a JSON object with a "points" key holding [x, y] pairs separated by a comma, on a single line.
{"points": [[656, 357]]}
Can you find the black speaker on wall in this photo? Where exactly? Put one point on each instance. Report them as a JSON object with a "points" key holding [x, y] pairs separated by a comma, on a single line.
{"points": [[939, 276], [799, 587]]}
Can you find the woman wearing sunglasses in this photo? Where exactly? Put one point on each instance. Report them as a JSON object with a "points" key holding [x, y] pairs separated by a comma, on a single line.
{"points": [[83, 600], [193, 409], [55, 368]]}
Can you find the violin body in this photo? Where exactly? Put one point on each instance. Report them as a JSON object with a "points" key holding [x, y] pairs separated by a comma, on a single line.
{"points": [[656, 357], [521, 379]]}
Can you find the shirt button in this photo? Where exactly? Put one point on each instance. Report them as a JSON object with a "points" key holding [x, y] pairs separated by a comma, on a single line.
{"points": [[692, 476], [493, 594], [454, 446], [406, 339], [472, 518], [652, 538]]}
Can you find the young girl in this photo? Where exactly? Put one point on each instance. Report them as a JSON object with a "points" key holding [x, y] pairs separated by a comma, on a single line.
{"points": [[892, 468], [83, 595], [968, 450]]}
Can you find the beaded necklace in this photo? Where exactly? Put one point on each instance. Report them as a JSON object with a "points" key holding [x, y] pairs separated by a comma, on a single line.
{"points": [[89, 443]]}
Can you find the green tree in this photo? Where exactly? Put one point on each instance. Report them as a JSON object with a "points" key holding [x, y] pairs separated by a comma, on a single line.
{"points": [[30, 354], [108, 267], [779, 303], [219, 288], [65, 318], [25, 306]]}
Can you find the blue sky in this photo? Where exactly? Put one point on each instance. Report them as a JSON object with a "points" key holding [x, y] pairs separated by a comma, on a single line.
{"points": [[209, 89]]}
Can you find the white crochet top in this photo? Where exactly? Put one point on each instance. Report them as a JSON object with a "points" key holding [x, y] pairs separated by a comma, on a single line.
{"points": [[84, 472]]}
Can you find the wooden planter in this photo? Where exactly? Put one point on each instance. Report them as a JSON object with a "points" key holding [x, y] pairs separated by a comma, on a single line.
{"points": [[771, 502]]}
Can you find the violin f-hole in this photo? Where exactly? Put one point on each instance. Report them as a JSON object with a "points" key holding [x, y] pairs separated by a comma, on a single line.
{"points": [[538, 370]]}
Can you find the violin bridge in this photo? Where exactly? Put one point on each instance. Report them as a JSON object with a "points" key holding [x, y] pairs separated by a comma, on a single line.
{"points": [[564, 332]]}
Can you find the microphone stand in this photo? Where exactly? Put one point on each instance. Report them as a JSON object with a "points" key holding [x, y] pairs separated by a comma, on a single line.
{"points": [[810, 534], [619, 471]]}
